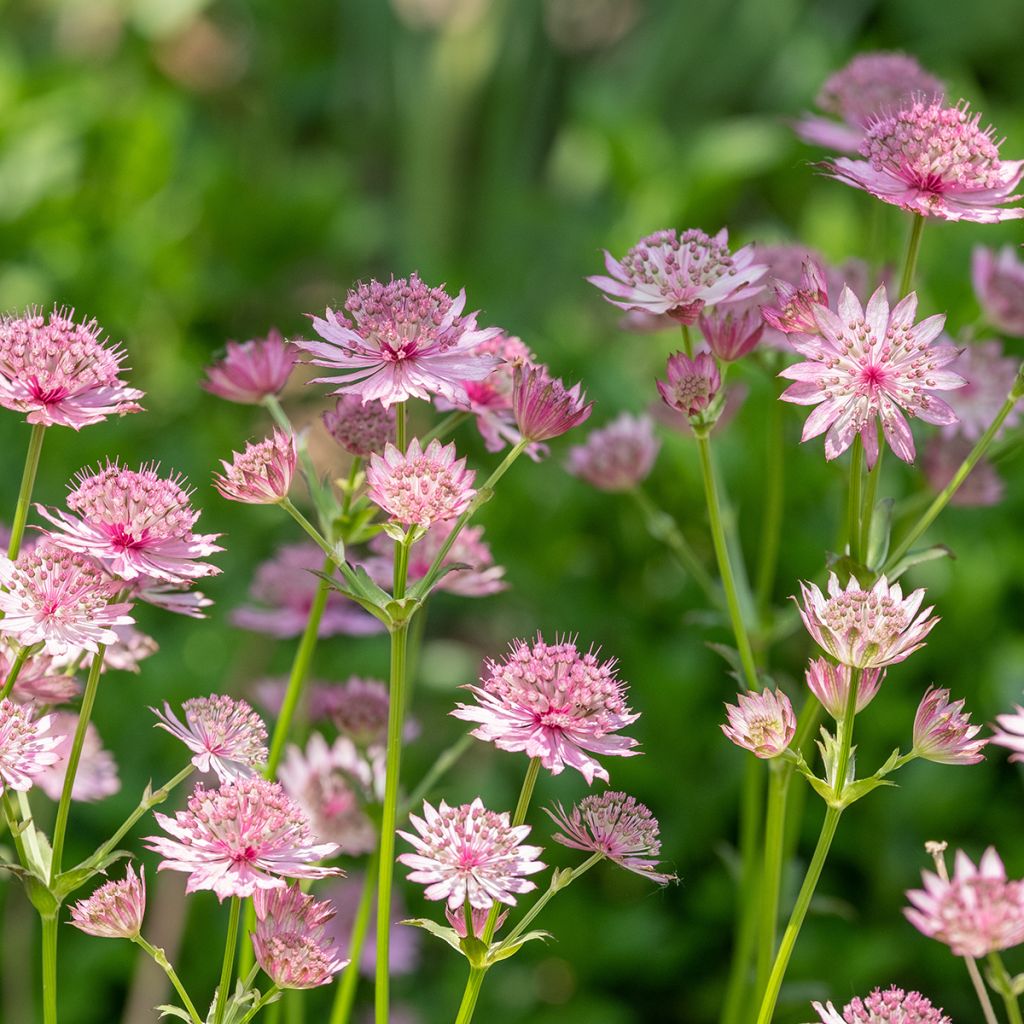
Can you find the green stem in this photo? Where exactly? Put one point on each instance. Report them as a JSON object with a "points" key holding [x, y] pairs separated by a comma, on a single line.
{"points": [[687, 341], [12, 676], [846, 734], [310, 529], [400, 426], [853, 512], [445, 427], [346, 994], [160, 958], [771, 882], [28, 480], [263, 1000], [229, 959], [870, 497], [1004, 983], [982, 992], [470, 995], [913, 247], [49, 922], [771, 524]]}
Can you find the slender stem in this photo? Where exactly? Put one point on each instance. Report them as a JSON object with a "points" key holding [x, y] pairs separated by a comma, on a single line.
{"points": [[855, 503], [400, 426], [263, 1000], [28, 480], [310, 529], [913, 247], [982, 991], [870, 497], [687, 341], [160, 958], [771, 524], [12, 676], [49, 923], [846, 734], [1005, 985], [229, 959], [446, 759], [346, 994], [771, 882], [470, 995], [11, 817], [445, 427]]}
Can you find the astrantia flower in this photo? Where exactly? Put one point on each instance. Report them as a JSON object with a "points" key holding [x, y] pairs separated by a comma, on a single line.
{"points": [[976, 912], [831, 685], [262, 474], [893, 1006], [543, 406], [361, 428], [943, 733], [731, 334], [553, 702], [290, 942], [421, 486], [60, 599], [469, 854], [251, 371], [359, 709], [226, 735], [680, 274], [998, 279], [692, 385], [869, 364], [989, 376], [793, 312], [26, 746], [60, 372], [865, 628], [763, 723], [1009, 732], [131, 647], [618, 456], [136, 522], [616, 826], [479, 918], [97, 776], [42, 679], [404, 340], [943, 458], [935, 161], [115, 910], [245, 836]]}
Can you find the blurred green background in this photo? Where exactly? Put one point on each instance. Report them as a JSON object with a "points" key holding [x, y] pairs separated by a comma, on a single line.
{"points": [[191, 171]]}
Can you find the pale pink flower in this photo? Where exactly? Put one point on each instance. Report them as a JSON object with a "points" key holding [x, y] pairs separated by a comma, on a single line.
{"points": [[97, 776], [479, 917], [943, 457], [865, 628], [543, 406], [1009, 732], [680, 274], [935, 161], [290, 941], [404, 340], [793, 312], [998, 279], [26, 749], [131, 647], [262, 474], [989, 376], [731, 334], [178, 598], [943, 732], [763, 723], [115, 910], [693, 384], [136, 523], [552, 702], [246, 835], [618, 827], [420, 486], [226, 736], [359, 709], [361, 428], [893, 1006], [60, 372], [251, 371], [976, 912], [831, 685], [468, 854], [42, 679], [618, 456]]}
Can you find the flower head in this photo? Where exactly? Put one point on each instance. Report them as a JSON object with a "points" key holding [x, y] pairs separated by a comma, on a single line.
{"points": [[97, 776], [989, 375], [831, 685], [943, 733], [115, 910], [1009, 732], [251, 371], [693, 384], [469, 854], [893, 1006], [26, 749], [361, 428], [262, 474], [793, 312], [359, 710], [763, 723], [618, 456], [42, 679], [479, 917], [543, 406], [553, 702], [731, 333], [998, 279]]}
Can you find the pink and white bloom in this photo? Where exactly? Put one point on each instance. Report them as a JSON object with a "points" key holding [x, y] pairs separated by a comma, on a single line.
{"points": [[97, 776], [42, 679], [359, 710], [989, 376], [361, 428], [115, 910], [692, 385], [731, 334], [831, 685], [943, 458], [998, 279], [61, 373], [478, 917], [943, 732], [793, 312], [470, 854], [552, 702], [976, 912], [262, 474], [404, 340], [893, 1006], [617, 457], [543, 406], [251, 371], [1009, 732], [246, 835], [763, 723], [27, 748], [125, 654]]}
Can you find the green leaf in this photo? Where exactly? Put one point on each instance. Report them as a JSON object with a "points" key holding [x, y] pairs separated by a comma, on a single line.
{"points": [[853, 792], [474, 951], [912, 558], [500, 951], [448, 935], [881, 532], [174, 1011], [74, 878]]}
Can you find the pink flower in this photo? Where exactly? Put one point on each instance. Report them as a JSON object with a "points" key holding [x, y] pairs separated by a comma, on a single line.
{"points": [[693, 384], [943, 457], [404, 340], [262, 474], [246, 835], [1009, 732], [831, 685], [251, 371], [359, 710], [793, 312], [976, 912], [555, 703], [361, 428], [124, 655], [731, 334], [115, 910], [680, 274], [290, 940], [998, 280], [96, 778], [893, 1006], [543, 406], [479, 918], [226, 735], [989, 376], [935, 161], [26, 751], [763, 723], [61, 373], [617, 457], [868, 364], [943, 733], [42, 679], [136, 522], [469, 854], [618, 827], [59, 599], [422, 486]]}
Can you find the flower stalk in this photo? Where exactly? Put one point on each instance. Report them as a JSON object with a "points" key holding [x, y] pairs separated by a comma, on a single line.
{"points": [[28, 480]]}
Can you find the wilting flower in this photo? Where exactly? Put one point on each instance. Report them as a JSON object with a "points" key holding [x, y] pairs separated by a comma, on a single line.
{"points": [[943, 457], [361, 428], [893, 1006], [763, 723], [404, 340], [262, 474], [543, 406], [831, 685], [618, 827], [244, 836], [935, 161], [290, 940], [989, 376], [865, 628], [553, 702], [793, 312], [943, 733], [26, 750], [60, 372], [693, 384], [731, 334], [469, 854], [1009, 733], [617, 457], [998, 279], [226, 736], [97, 776], [251, 371], [115, 910], [976, 912]]}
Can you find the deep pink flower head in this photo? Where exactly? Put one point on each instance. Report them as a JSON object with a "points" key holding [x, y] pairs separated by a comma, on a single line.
{"points": [[893, 1006], [617, 826], [553, 702], [469, 854], [60, 372], [976, 912], [942, 459], [60, 599], [136, 522], [731, 333], [998, 279], [404, 340], [693, 384], [226, 736], [617, 457], [245, 836], [935, 161], [26, 747], [943, 732], [115, 910], [989, 376], [763, 723], [543, 406], [361, 428], [1009, 732], [868, 364], [97, 776], [680, 274], [831, 685], [290, 940], [251, 371], [262, 474], [793, 312]]}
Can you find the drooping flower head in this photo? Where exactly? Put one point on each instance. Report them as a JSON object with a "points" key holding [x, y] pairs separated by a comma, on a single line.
{"points": [[1009, 732], [27, 748], [693, 384], [618, 456], [793, 312], [61, 373], [361, 428], [470, 854], [731, 333], [553, 702], [262, 474], [893, 1006], [115, 910], [831, 685], [251, 371], [943, 732], [998, 279], [763, 723], [543, 406], [97, 776], [989, 375]]}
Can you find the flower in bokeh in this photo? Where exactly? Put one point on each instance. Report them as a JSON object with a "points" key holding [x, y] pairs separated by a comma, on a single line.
{"points": [[361, 428], [543, 406], [893, 1006], [943, 732], [97, 776], [617, 457], [763, 723], [998, 279], [989, 376], [942, 459], [115, 910], [262, 474], [1009, 732], [131, 647], [793, 312], [42, 679], [251, 371], [692, 385], [731, 333], [27, 748], [831, 685], [359, 710]]}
